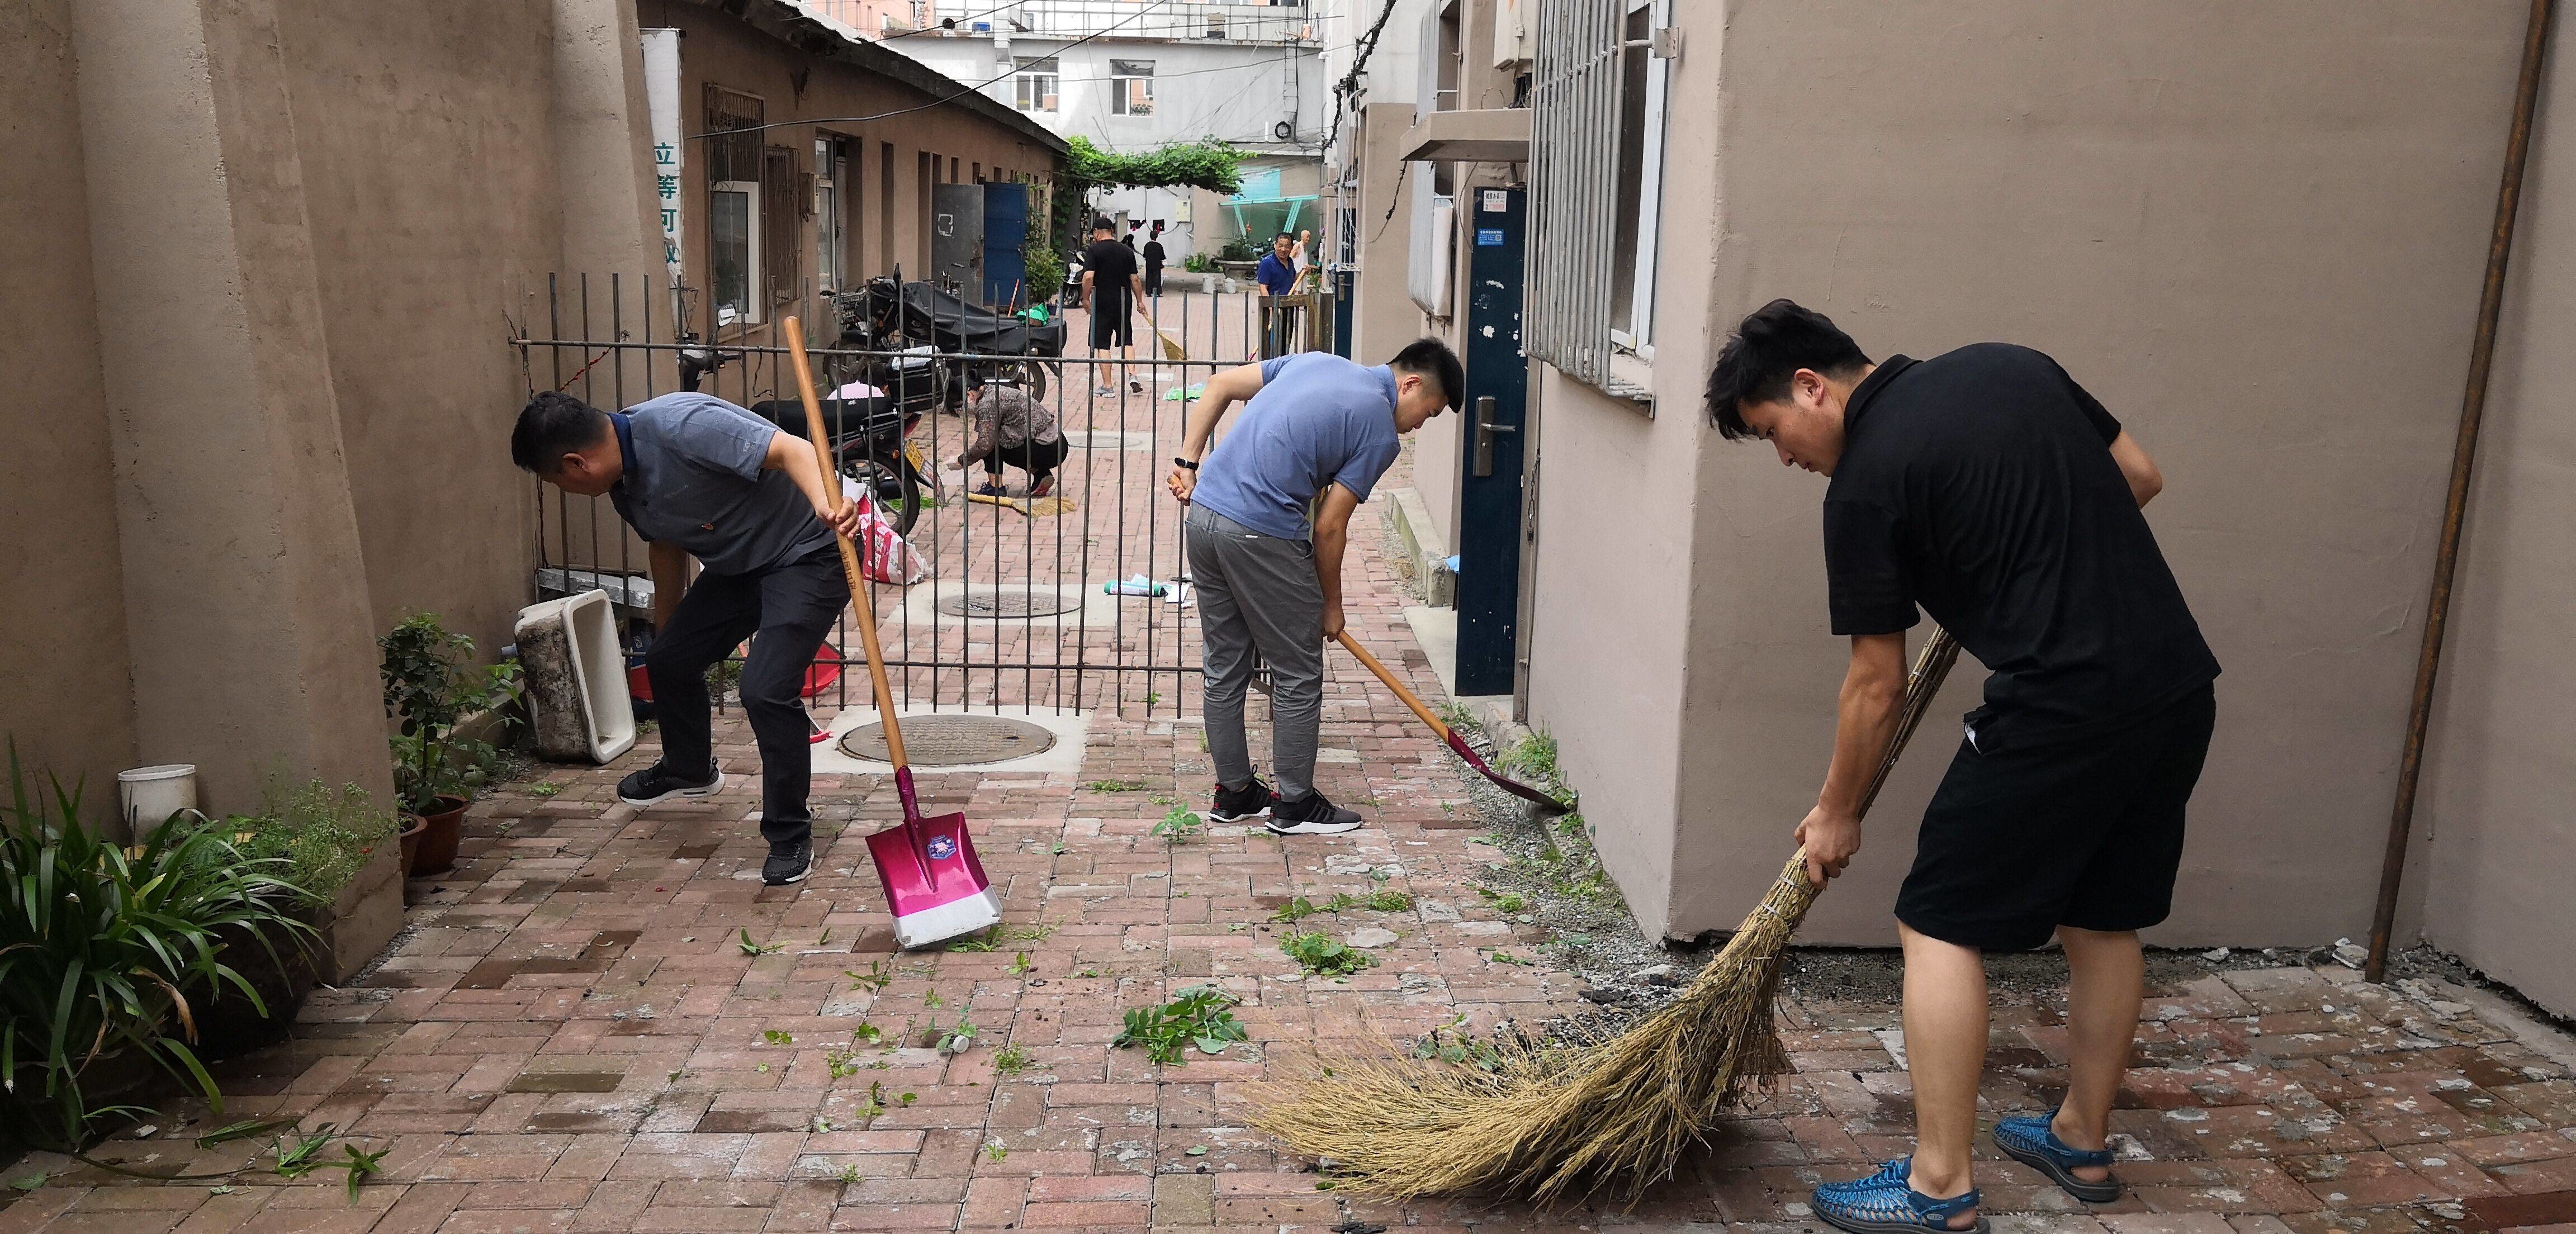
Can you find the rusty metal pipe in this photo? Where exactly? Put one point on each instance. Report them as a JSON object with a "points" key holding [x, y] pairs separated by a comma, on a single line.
{"points": [[2446, 560]]}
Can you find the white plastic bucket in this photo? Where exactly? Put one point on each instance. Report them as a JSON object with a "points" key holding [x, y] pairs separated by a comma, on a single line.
{"points": [[149, 795]]}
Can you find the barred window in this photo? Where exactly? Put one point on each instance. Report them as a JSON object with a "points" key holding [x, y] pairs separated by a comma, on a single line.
{"points": [[733, 210], [1595, 205]]}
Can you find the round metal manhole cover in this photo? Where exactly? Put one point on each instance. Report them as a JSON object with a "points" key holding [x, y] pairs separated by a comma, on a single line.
{"points": [[1008, 603], [952, 741]]}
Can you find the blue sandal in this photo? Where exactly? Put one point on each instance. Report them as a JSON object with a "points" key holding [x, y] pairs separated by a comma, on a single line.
{"points": [[1885, 1203], [2031, 1140]]}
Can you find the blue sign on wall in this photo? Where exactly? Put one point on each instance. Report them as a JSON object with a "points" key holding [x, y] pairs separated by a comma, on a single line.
{"points": [[1489, 237]]}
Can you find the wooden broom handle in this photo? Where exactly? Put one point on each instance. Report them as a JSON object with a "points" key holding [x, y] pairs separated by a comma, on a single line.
{"points": [[1352, 645], [849, 552]]}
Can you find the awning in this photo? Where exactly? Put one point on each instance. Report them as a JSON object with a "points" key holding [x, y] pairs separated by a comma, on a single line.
{"points": [[1490, 135]]}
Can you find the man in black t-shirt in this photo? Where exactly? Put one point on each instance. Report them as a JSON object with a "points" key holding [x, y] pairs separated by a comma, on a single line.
{"points": [[1988, 488], [1154, 260], [1108, 277]]}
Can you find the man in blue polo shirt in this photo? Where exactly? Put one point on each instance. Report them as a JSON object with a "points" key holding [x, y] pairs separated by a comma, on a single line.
{"points": [[1317, 432], [1277, 273]]}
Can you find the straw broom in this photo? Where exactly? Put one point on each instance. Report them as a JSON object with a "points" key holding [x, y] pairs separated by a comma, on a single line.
{"points": [[1559, 1117]]}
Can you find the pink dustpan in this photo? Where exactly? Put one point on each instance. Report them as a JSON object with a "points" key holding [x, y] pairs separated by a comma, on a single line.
{"points": [[929, 869], [932, 879]]}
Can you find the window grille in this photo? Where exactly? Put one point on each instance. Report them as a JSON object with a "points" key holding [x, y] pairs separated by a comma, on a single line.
{"points": [[1574, 186]]}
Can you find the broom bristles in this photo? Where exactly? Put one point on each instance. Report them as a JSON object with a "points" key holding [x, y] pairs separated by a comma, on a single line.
{"points": [[1551, 1119]]}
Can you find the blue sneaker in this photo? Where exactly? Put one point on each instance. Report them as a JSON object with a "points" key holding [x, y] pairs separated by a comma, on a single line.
{"points": [[2031, 1140], [1884, 1203]]}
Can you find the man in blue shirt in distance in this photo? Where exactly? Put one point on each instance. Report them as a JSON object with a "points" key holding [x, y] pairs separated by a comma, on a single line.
{"points": [[1317, 432], [1278, 272]]}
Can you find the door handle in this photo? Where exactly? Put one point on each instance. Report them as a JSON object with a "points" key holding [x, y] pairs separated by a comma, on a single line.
{"points": [[1485, 430]]}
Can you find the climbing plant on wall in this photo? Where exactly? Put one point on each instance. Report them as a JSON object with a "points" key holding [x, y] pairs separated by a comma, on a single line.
{"points": [[1209, 164]]}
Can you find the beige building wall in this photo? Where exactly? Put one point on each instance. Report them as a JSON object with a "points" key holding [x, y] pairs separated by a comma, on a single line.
{"points": [[2255, 233], [2497, 840], [1383, 317], [430, 218], [67, 702]]}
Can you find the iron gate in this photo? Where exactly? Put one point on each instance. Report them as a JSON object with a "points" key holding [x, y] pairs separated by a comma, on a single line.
{"points": [[1076, 600]]}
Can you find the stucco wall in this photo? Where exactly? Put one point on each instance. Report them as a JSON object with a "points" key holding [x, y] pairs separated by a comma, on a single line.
{"points": [[65, 697], [1384, 318], [432, 196], [2255, 233], [2499, 836]]}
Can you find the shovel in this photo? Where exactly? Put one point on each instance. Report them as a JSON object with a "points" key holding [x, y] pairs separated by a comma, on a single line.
{"points": [[1457, 744], [932, 880]]}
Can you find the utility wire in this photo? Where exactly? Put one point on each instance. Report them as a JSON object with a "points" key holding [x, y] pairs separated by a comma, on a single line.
{"points": [[1366, 46], [977, 88]]}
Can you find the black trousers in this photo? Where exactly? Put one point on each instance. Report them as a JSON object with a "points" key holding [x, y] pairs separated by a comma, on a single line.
{"points": [[785, 611], [1034, 457]]}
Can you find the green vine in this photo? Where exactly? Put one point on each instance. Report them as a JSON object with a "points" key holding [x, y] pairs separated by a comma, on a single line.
{"points": [[1207, 164]]}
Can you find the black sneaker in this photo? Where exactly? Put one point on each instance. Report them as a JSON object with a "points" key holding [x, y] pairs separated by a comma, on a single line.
{"points": [[656, 783], [1311, 815], [1235, 805], [788, 863]]}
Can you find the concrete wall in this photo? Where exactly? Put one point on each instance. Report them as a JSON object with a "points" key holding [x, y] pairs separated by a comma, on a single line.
{"points": [[414, 286], [2497, 837], [2254, 233], [68, 702], [1383, 319]]}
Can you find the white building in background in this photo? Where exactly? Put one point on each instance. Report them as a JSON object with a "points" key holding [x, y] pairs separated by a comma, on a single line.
{"points": [[1130, 77]]}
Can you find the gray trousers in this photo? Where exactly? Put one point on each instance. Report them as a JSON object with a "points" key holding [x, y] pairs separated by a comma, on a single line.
{"points": [[1257, 591]]}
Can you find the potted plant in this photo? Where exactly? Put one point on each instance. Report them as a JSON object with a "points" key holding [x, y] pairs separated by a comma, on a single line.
{"points": [[325, 839], [111, 957], [430, 689]]}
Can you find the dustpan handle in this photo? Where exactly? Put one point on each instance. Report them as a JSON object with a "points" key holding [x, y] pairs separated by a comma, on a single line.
{"points": [[859, 599]]}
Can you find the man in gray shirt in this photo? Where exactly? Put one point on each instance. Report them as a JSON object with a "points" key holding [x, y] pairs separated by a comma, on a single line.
{"points": [[1317, 432], [698, 476]]}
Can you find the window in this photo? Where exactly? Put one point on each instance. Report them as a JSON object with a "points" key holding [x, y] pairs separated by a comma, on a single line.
{"points": [[1598, 90], [828, 241], [1641, 151], [733, 243], [1131, 87], [1034, 83], [733, 205]]}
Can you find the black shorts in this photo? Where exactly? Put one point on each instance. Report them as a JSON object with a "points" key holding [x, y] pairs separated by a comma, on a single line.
{"points": [[2018, 842], [1111, 324]]}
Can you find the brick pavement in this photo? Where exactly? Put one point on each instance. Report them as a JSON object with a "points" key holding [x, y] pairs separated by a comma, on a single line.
{"points": [[572, 1037]]}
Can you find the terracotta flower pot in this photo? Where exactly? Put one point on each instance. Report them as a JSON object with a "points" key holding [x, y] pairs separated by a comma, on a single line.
{"points": [[435, 851]]}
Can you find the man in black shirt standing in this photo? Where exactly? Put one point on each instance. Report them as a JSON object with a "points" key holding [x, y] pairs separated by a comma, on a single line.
{"points": [[1154, 257], [1988, 488], [1108, 277]]}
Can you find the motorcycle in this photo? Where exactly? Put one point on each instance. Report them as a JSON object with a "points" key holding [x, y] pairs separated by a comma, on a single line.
{"points": [[896, 314]]}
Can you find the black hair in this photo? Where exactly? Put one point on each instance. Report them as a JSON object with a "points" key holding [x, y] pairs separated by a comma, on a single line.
{"points": [[1432, 358], [552, 425], [1100, 222], [1768, 347], [1287, 237]]}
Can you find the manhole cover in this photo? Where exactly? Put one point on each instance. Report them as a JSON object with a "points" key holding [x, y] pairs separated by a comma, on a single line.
{"points": [[1006, 603], [951, 741]]}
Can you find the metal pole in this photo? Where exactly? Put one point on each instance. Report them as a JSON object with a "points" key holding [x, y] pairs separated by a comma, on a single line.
{"points": [[2446, 560]]}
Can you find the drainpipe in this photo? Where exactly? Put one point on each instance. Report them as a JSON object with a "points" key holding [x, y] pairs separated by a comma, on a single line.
{"points": [[2428, 660]]}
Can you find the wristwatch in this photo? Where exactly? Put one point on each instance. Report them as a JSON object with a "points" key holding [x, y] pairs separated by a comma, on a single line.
{"points": [[1182, 462]]}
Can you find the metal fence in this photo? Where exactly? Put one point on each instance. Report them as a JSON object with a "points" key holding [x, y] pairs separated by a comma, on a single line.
{"points": [[1076, 598]]}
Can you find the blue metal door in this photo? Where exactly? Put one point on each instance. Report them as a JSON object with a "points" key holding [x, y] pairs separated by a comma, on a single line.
{"points": [[1489, 490], [1006, 227]]}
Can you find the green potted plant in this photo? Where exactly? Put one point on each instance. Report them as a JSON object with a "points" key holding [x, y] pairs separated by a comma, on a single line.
{"points": [[110, 957], [324, 837], [430, 688]]}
